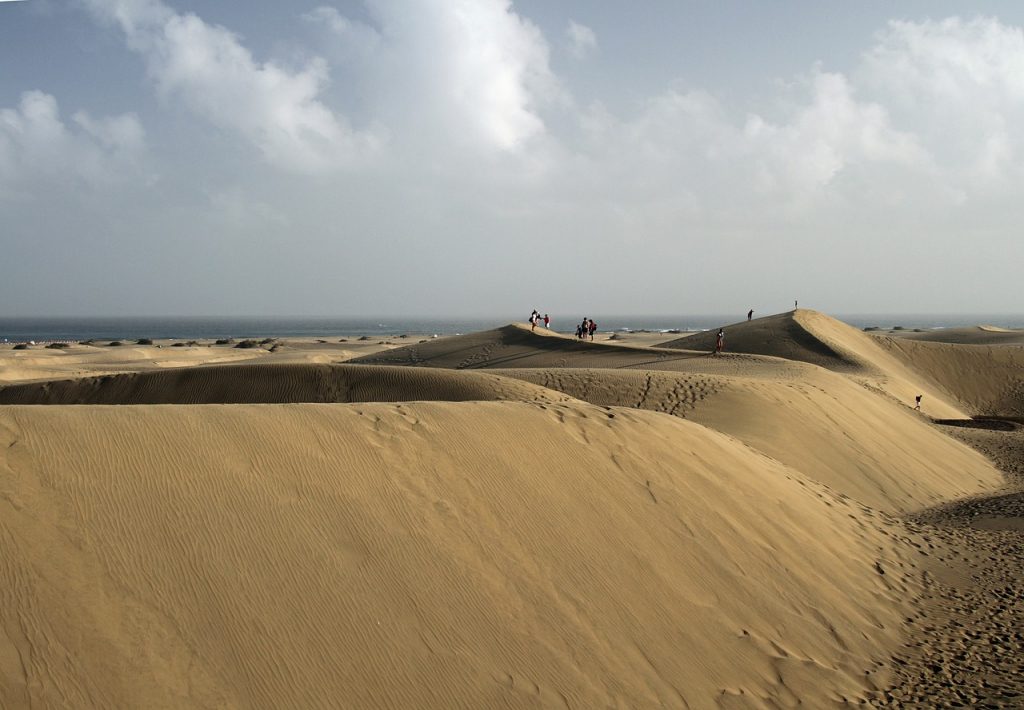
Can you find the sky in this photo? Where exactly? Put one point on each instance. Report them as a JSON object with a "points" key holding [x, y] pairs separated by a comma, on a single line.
{"points": [[476, 157]]}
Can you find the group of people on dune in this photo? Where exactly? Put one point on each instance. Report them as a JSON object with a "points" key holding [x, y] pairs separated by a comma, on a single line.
{"points": [[536, 319], [585, 328]]}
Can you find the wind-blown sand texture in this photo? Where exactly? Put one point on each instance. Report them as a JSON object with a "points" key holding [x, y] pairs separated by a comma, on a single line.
{"points": [[519, 519]]}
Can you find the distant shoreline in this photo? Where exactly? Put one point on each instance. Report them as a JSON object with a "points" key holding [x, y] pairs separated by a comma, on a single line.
{"points": [[46, 330]]}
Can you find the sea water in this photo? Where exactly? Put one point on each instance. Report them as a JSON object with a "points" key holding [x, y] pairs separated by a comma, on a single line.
{"points": [[24, 329]]}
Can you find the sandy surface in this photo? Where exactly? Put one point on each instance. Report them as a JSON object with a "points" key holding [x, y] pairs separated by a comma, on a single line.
{"points": [[975, 335], [512, 519], [967, 633]]}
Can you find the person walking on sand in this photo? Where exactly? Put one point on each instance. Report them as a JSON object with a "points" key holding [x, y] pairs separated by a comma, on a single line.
{"points": [[750, 314], [917, 403], [592, 328], [720, 341], [547, 321], [533, 319]]}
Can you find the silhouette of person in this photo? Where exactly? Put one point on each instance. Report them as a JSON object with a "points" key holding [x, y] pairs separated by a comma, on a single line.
{"points": [[917, 401], [750, 314], [720, 341]]}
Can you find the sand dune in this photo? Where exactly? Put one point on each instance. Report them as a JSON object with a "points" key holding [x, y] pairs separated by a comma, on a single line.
{"points": [[529, 529], [515, 346], [40, 363], [974, 335], [258, 383], [787, 335], [428, 555], [836, 431], [984, 380], [816, 338], [84, 360]]}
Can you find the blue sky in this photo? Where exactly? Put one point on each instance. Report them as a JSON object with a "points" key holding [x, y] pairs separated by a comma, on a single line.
{"points": [[416, 157]]}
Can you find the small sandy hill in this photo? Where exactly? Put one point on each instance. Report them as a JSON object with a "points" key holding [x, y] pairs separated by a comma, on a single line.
{"points": [[791, 335], [975, 335], [828, 426], [82, 361], [813, 337], [985, 380], [516, 346], [269, 383], [485, 554], [507, 346]]}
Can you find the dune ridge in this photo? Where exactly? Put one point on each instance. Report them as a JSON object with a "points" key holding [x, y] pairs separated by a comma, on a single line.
{"points": [[263, 383]]}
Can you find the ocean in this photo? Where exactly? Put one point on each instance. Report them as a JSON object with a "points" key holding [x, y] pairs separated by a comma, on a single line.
{"points": [[21, 329]]}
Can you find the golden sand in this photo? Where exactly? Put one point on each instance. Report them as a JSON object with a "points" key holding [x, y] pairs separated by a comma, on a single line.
{"points": [[517, 520]]}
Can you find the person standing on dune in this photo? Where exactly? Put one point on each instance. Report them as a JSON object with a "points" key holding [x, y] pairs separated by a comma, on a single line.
{"points": [[720, 341], [917, 403], [547, 321], [750, 314]]}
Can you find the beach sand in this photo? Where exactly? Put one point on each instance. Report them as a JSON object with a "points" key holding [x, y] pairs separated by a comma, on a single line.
{"points": [[513, 519]]}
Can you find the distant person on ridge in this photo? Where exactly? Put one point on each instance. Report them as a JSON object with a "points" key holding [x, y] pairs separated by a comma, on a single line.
{"points": [[533, 319], [547, 321], [917, 401], [720, 341], [750, 314]]}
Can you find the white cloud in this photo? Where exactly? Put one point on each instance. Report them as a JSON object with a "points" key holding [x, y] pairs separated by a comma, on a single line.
{"points": [[36, 145], [826, 148], [211, 72], [358, 38], [582, 40], [454, 72], [960, 84]]}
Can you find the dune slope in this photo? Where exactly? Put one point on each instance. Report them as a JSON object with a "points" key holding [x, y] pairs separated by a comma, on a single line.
{"points": [[974, 335], [783, 335], [822, 423], [427, 555], [984, 380]]}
